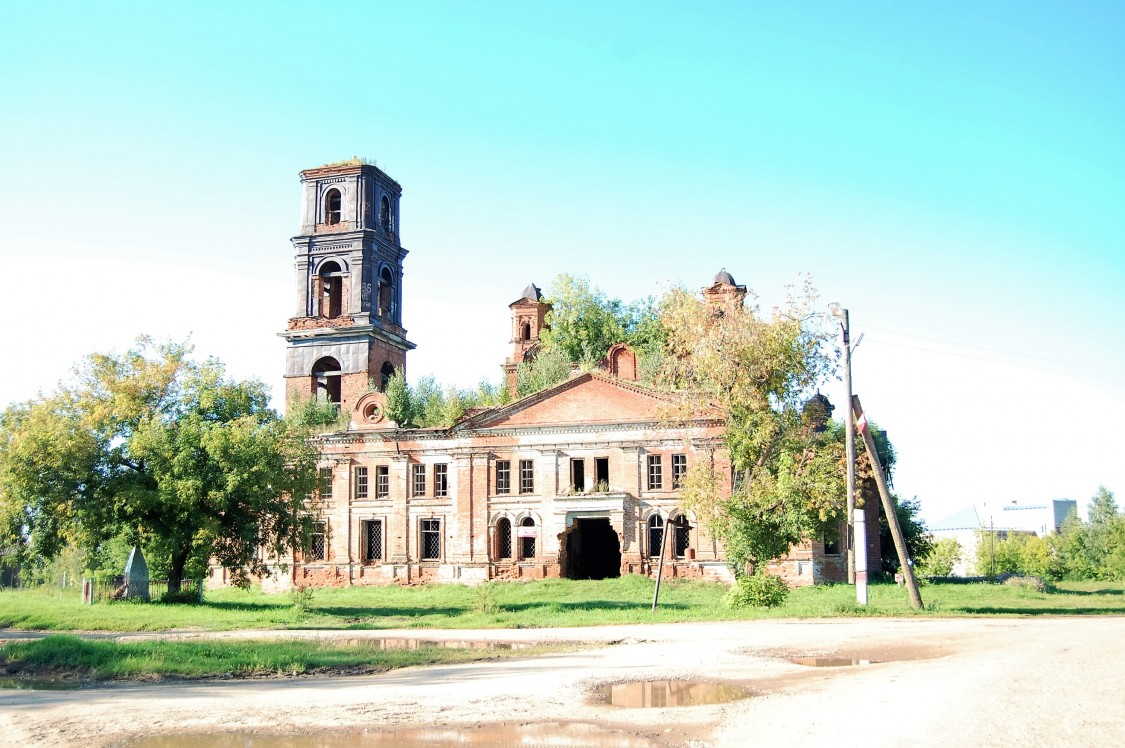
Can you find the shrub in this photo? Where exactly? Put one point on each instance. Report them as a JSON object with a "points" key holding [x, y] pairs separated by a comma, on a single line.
{"points": [[486, 599], [302, 598], [757, 591], [943, 556]]}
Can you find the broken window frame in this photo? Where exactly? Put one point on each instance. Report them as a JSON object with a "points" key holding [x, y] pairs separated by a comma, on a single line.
{"points": [[333, 205], [441, 479], [679, 470]]}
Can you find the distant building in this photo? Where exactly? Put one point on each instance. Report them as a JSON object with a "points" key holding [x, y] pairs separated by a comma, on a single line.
{"points": [[966, 525]]}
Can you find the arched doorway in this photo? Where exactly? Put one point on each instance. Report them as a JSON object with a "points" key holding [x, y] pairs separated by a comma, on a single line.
{"points": [[592, 551]]}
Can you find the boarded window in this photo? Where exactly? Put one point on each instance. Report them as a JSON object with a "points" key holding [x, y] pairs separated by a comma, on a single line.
{"points": [[431, 539], [372, 538]]}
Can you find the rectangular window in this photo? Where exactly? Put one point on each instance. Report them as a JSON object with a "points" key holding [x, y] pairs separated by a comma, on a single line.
{"points": [[318, 542], [655, 473], [372, 539], [527, 476], [503, 476], [419, 479], [382, 481], [431, 539], [441, 479], [361, 483], [326, 483], [679, 469], [601, 473], [578, 474]]}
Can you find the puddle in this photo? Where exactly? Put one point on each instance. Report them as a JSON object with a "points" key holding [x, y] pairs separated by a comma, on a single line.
{"points": [[661, 693], [39, 684], [832, 661], [571, 735], [444, 644]]}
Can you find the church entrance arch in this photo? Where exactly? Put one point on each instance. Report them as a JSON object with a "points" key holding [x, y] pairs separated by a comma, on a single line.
{"points": [[592, 550]]}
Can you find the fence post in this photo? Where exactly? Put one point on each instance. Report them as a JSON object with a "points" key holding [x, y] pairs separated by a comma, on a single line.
{"points": [[87, 591], [199, 589]]}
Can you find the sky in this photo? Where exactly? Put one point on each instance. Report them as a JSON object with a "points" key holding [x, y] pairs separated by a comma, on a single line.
{"points": [[952, 173]]}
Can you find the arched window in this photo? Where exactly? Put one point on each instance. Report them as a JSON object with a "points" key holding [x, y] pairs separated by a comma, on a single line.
{"points": [[527, 539], [326, 380], [386, 294], [385, 375], [331, 290], [332, 206], [681, 537], [655, 535], [385, 213], [525, 331], [504, 538]]}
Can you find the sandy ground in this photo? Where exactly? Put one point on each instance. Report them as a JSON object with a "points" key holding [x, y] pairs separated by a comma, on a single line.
{"points": [[949, 682]]}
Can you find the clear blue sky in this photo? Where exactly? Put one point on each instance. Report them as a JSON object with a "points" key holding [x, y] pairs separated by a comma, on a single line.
{"points": [[954, 173]]}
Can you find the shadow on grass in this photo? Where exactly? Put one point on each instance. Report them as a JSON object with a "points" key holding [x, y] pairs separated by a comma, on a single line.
{"points": [[990, 610], [588, 605], [383, 612], [1106, 591]]}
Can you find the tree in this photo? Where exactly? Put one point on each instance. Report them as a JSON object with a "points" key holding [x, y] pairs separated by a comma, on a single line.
{"points": [[429, 405], [168, 452], [943, 557], [918, 539], [758, 372]]}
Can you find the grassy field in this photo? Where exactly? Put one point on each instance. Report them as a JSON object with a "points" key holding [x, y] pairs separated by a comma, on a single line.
{"points": [[556, 602]]}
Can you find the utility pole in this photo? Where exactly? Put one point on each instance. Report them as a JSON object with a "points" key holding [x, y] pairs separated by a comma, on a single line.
{"points": [[841, 314], [888, 506]]}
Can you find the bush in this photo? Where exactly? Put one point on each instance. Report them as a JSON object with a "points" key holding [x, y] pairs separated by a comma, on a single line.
{"points": [[302, 598], [486, 599], [188, 597], [757, 591]]}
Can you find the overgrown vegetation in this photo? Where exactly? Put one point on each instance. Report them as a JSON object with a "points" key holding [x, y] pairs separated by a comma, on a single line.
{"points": [[757, 591], [429, 405]]}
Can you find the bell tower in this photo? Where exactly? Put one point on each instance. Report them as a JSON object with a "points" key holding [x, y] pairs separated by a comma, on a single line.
{"points": [[529, 317], [347, 327]]}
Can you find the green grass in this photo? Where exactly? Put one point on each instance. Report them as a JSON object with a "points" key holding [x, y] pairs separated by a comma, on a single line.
{"points": [[64, 654], [556, 602]]}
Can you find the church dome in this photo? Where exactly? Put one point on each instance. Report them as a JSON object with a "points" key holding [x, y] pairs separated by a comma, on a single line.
{"points": [[724, 277], [532, 292]]}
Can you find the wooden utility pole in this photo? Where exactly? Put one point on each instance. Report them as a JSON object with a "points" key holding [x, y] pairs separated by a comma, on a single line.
{"points": [[660, 568], [888, 504]]}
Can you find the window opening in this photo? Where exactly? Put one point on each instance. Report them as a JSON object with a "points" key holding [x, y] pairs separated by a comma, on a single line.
{"points": [[382, 481], [326, 379], [578, 474], [527, 476], [601, 473], [679, 470], [386, 295], [331, 290], [655, 535], [441, 479], [525, 333], [681, 537], [431, 539], [332, 207], [385, 213], [318, 546], [419, 479], [655, 472], [503, 476], [504, 538], [372, 540], [527, 540], [832, 544], [385, 375], [326, 483], [361, 483]]}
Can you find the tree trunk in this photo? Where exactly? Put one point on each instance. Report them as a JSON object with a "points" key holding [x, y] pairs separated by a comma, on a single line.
{"points": [[176, 570]]}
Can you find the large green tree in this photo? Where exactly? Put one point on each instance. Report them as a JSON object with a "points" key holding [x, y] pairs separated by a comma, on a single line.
{"points": [[163, 450], [758, 371]]}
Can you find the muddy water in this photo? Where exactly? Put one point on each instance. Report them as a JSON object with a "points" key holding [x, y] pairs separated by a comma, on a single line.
{"points": [[832, 661], [571, 735], [664, 693], [38, 684]]}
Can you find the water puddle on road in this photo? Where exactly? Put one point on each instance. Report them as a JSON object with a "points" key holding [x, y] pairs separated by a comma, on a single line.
{"points": [[39, 684], [665, 693], [571, 735], [832, 661], [400, 643]]}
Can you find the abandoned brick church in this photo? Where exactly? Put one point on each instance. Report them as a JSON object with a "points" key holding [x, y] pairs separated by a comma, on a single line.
{"points": [[578, 480]]}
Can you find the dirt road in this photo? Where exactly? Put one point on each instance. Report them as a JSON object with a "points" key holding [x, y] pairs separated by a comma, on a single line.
{"points": [[949, 682]]}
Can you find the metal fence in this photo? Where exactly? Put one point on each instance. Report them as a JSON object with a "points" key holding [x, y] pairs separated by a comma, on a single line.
{"points": [[109, 590]]}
